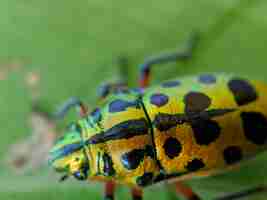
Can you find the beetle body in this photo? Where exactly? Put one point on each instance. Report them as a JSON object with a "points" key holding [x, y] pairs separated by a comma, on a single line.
{"points": [[179, 129]]}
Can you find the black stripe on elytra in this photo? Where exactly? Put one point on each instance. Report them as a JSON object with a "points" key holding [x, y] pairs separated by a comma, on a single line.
{"points": [[164, 121], [123, 130]]}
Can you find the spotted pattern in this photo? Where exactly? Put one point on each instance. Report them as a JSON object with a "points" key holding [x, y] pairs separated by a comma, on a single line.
{"points": [[172, 147], [170, 84], [205, 131], [159, 99], [255, 127], [196, 102], [145, 179], [119, 105], [232, 154], [195, 164], [108, 165], [131, 160], [243, 91], [207, 79]]}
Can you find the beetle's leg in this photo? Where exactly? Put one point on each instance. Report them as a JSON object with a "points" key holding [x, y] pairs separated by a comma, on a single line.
{"points": [[137, 193], [70, 103], [186, 191], [109, 190], [121, 85], [108, 88], [244, 193], [145, 68]]}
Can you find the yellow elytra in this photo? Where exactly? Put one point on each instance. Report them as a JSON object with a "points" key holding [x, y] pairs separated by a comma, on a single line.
{"points": [[179, 129]]}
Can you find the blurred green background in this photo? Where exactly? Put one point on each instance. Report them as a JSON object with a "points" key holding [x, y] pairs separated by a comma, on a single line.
{"points": [[55, 49]]}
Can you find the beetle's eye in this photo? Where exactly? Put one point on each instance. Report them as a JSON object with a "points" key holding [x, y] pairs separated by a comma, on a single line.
{"points": [[80, 176]]}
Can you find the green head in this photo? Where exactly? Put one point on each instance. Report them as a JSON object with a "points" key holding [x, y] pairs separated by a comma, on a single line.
{"points": [[69, 156]]}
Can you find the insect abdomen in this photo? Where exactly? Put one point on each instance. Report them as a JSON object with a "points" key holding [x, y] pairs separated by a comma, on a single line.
{"points": [[214, 121]]}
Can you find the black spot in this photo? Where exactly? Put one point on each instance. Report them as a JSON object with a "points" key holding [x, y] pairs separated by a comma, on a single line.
{"points": [[169, 84], [132, 159], [96, 115], [243, 91], [108, 165], [195, 164], [159, 99], [121, 105], [196, 102], [232, 154], [123, 130], [205, 131], [149, 151], [207, 79], [172, 147], [255, 127], [145, 180]]}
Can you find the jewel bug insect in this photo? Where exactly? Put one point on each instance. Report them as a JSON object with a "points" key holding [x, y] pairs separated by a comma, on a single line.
{"points": [[183, 128]]}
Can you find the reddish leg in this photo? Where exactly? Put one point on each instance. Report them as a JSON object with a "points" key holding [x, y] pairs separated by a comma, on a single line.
{"points": [[145, 68], [186, 191], [137, 193], [109, 190]]}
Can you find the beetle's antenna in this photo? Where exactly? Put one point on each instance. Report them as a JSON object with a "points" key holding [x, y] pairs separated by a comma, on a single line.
{"points": [[63, 178]]}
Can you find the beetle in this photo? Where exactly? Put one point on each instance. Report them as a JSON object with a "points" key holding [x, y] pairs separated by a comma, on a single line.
{"points": [[183, 128]]}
